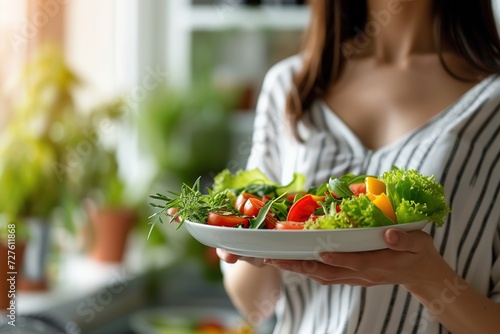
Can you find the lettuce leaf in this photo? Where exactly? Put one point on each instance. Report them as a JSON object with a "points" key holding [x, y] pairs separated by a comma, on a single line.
{"points": [[256, 182], [355, 212], [415, 196], [226, 180]]}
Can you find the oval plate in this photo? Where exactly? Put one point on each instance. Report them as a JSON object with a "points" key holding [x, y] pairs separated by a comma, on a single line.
{"points": [[293, 244]]}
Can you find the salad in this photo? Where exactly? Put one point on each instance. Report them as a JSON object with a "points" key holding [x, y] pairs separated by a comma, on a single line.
{"points": [[248, 199]]}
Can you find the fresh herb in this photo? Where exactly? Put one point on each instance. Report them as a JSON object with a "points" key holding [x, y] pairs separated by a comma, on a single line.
{"points": [[340, 186], [191, 204]]}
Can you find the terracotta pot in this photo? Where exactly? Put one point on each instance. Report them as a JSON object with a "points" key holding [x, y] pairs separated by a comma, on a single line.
{"points": [[110, 230], [5, 287]]}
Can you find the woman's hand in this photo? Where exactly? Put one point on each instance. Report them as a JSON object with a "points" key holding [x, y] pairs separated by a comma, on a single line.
{"points": [[408, 260], [232, 258], [412, 261]]}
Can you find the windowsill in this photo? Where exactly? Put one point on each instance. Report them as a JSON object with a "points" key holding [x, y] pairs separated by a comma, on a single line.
{"points": [[92, 294]]}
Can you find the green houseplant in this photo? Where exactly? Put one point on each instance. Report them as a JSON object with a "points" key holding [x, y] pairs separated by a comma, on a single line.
{"points": [[110, 212], [33, 149]]}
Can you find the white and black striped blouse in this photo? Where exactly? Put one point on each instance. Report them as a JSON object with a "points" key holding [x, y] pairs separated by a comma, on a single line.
{"points": [[460, 146]]}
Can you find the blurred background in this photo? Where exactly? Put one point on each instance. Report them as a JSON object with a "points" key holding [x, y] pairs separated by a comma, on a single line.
{"points": [[102, 104]]}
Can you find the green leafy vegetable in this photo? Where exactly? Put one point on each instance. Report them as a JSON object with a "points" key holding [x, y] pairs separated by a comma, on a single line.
{"points": [[415, 196], [226, 180], [364, 212], [340, 186], [255, 182], [355, 212]]}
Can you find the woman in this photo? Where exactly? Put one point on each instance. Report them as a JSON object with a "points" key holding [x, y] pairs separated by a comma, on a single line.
{"points": [[409, 83]]}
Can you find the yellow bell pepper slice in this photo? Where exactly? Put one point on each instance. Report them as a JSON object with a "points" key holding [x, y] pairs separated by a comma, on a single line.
{"points": [[374, 187], [384, 204]]}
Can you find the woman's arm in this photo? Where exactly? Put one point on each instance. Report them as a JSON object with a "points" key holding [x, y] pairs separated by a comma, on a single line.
{"points": [[456, 304], [412, 262], [253, 287]]}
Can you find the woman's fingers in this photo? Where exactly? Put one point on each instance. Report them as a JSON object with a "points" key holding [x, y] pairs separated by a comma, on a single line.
{"points": [[232, 258], [402, 241], [407, 252], [226, 256]]}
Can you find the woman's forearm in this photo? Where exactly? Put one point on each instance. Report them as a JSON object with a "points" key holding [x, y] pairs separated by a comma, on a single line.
{"points": [[457, 305], [254, 291]]}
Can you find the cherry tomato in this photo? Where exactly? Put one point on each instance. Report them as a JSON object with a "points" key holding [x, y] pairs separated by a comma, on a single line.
{"points": [[289, 225], [305, 206], [172, 212], [226, 220], [241, 200], [358, 188]]}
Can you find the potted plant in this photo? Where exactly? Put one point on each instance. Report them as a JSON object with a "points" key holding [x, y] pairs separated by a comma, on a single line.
{"points": [[12, 246], [102, 189], [32, 147]]}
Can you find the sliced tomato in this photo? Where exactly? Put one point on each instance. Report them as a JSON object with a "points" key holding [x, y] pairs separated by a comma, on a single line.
{"points": [[265, 198], [252, 207], [305, 206], [358, 188], [242, 199], [289, 225], [217, 219], [270, 221]]}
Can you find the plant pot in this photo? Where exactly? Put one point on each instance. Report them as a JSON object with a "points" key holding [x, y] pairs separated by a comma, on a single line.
{"points": [[110, 230], [34, 273], [5, 277]]}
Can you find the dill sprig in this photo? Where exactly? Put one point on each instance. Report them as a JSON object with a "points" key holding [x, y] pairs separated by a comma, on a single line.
{"points": [[191, 204]]}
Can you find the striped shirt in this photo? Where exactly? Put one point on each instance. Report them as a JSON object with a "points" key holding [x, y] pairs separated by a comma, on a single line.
{"points": [[459, 146]]}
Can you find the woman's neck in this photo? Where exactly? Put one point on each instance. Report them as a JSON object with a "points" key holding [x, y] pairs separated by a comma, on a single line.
{"points": [[398, 29]]}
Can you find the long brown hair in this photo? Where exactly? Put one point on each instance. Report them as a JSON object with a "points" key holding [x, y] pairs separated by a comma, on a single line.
{"points": [[467, 29]]}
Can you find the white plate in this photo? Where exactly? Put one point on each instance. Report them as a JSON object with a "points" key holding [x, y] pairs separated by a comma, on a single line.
{"points": [[293, 244]]}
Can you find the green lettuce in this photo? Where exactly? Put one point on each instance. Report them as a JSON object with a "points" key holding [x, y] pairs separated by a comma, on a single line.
{"points": [[354, 212], [226, 180], [364, 212], [255, 182], [415, 196]]}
